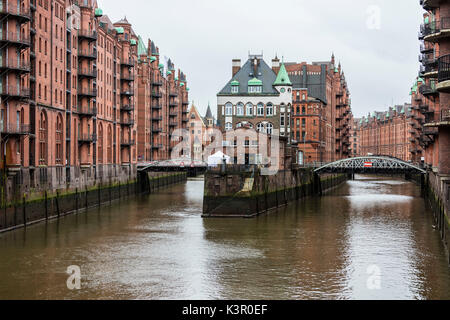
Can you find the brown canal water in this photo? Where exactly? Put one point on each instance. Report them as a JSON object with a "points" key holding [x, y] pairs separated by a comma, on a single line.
{"points": [[368, 239]]}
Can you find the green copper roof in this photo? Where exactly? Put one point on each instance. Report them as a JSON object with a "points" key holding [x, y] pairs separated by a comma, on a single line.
{"points": [[234, 83], [142, 49], [152, 58], [169, 73], [255, 82], [182, 84], [403, 110], [336, 70], [427, 19], [120, 30], [133, 42], [98, 12], [160, 66], [187, 89], [282, 77]]}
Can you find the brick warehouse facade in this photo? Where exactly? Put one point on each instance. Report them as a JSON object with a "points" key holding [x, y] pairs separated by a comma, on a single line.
{"points": [[321, 110], [163, 104], [69, 96], [387, 133], [435, 91]]}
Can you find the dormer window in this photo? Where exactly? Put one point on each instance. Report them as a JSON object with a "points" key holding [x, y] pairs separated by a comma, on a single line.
{"points": [[235, 86], [255, 86]]}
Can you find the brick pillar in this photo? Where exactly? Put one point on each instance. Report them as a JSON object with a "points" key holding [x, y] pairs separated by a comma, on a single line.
{"points": [[444, 150]]}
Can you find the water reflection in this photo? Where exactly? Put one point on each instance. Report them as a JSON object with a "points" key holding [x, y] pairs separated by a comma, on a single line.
{"points": [[158, 247]]}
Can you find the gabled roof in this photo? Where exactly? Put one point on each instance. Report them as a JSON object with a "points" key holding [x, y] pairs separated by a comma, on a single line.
{"points": [[123, 21], [282, 77], [264, 73]]}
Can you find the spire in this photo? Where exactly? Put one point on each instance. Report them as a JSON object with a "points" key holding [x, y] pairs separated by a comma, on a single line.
{"points": [[208, 112], [282, 77]]}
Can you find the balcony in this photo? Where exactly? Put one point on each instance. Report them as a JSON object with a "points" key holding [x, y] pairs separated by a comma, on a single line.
{"points": [[20, 14], [156, 119], [173, 94], [429, 4], [90, 35], [15, 38], [127, 92], [14, 65], [127, 122], [127, 62], [430, 131], [127, 107], [87, 54], [87, 73], [126, 143], [156, 107], [86, 111], [157, 146], [127, 77], [426, 49], [435, 30], [156, 130], [156, 94], [86, 92], [428, 89], [14, 92], [173, 124], [13, 129], [173, 114], [444, 74], [157, 83], [86, 138]]}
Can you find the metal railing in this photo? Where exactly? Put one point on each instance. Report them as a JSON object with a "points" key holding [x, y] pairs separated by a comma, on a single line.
{"points": [[444, 68], [15, 37], [87, 53], [434, 27], [87, 110], [86, 137], [15, 91], [91, 34], [14, 64], [15, 10], [13, 128]]}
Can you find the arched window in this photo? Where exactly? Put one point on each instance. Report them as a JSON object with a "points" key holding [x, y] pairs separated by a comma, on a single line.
{"points": [[109, 146], [260, 110], [228, 126], [269, 110], [240, 109], [269, 128], [100, 143], [43, 138], [228, 109], [59, 139], [260, 127], [249, 109]]}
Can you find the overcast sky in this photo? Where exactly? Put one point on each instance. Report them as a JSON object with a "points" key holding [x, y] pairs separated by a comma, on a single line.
{"points": [[379, 53]]}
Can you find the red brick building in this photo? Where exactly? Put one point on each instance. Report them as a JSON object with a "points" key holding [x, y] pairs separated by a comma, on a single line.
{"points": [[321, 110], [387, 133], [69, 97], [163, 104], [434, 93]]}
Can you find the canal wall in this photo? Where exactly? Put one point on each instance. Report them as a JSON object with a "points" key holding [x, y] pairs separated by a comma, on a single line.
{"points": [[437, 193], [52, 205], [237, 193]]}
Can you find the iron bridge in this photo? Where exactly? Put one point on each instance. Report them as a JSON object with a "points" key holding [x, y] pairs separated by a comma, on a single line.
{"points": [[370, 164]]}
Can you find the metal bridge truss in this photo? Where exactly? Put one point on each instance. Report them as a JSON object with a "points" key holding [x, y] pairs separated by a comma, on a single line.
{"points": [[369, 164]]}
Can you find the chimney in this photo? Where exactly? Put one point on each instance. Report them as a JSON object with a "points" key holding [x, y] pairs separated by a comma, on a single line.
{"points": [[236, 63], [276, 65]]}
